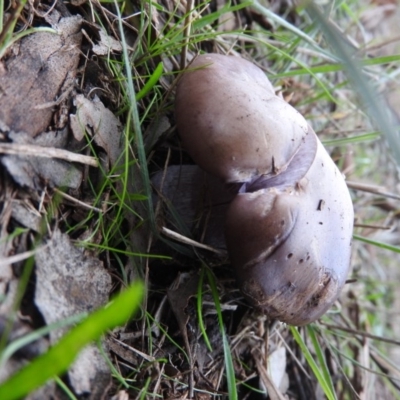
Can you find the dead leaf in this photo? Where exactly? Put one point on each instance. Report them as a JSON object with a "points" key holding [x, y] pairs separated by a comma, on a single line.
{"points": [[277, 368], [45, 64], [265, 379], [183, 289], [26, 217], [104, 124], [69, 282], [106, 44]]}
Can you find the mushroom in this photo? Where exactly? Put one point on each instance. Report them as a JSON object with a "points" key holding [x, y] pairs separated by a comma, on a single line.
{"points": [[289, 228], [229, 119]]}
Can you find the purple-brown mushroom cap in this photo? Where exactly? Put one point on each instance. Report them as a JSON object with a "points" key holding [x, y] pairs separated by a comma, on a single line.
{"points": [[230, 120], [290, 245]]}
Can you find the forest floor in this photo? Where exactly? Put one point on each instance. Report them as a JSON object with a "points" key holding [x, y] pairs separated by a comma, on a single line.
{"points": [[89, 162]]}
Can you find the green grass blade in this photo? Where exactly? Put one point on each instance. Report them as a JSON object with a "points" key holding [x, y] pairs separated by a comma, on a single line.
{"points": [[352, 139], [19, 343], [326, 68], [381, 245], [144, 390], [134, 113], [151, 82], [200, 311], [374, 106], [280, 21], [288, 56], [2, 8], [65, 388], [313, 365], [114, 372], [230, 371], [211, 18], [57, 360], [320, 356], [165, 332]]}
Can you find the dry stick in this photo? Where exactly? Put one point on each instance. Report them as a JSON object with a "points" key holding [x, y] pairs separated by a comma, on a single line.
{"points": [[160, 373], [183, 239], [20, 257], [138, 352], [46, 152], [291, 352], [372, 189], [78, 202], [364, 334], [384, 227]]}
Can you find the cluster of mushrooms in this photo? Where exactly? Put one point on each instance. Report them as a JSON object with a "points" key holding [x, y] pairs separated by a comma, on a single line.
{"points": [[289, 228]]}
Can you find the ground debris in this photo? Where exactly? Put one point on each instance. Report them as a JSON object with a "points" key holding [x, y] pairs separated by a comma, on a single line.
{"points": [[106, 44], [37, 77], [37, 172], [101, 122], [42, 66], [69, 282], [200, 198], [76, 81]]}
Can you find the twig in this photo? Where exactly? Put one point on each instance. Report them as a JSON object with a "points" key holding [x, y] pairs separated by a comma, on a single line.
{"points": [[183, 239], [361, 333], [384, 227], [19, 257], [78, 202], [46, 152], [372, 189], [138, 352]]}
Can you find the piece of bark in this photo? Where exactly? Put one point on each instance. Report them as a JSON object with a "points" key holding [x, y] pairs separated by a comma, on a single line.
{"points": [[45, 63]]}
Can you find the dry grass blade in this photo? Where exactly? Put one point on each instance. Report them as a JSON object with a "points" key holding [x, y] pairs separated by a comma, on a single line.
{"points": [[362, 334], [190, 242], [140, 353], [186, 32], [365, 187], [77, 201], [46, 152], [19, 257]]}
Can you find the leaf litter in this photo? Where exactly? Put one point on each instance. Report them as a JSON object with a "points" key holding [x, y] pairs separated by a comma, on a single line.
{"points": [[40, 154], [58, 92]]}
